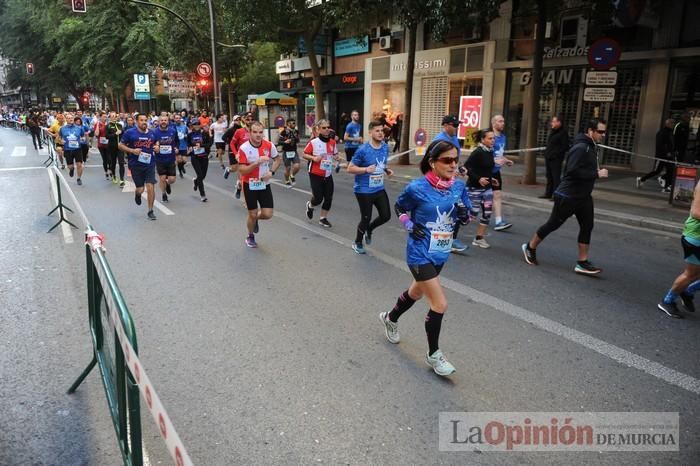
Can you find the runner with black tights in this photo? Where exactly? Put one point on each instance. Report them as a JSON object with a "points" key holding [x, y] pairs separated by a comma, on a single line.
{"points": [[198, 144], [368, 164]]}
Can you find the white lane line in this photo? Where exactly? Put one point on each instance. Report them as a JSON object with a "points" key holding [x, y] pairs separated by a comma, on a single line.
{"points": [[1, 148], [19, 151], [129, 187], [279, 183], [17, 169], [65, 228], [601, 347]]}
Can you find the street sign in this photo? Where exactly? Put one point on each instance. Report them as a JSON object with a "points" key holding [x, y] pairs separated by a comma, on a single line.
{"points": [[599, 94], [279, 121], [420, 137], [204, 70], [141, 83], [142, 96], [601, 78], [604, 53], [469, 115]]}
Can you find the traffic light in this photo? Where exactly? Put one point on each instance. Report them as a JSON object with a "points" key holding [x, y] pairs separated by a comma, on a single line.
{"points": [[203, 85], [79, 6], [30, 68]]}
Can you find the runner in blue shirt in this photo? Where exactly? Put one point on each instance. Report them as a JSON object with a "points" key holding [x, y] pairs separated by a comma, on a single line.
{"points": [[429, 208], [71, 135], [498, 124], [139, 143], [181, 128], [168, 143], [353, 135], [369, 165]]}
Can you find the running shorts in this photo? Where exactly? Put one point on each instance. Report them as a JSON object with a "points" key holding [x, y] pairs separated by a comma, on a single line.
{"points": [[220, 145], [142, 174], [425, 272], [497, 176], [73, 155], [691, 250], [165, 169], [262, 197]]}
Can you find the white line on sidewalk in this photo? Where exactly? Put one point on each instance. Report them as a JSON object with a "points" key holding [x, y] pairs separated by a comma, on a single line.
{"points": [[65, 228], [601, 347], [19, 151]]}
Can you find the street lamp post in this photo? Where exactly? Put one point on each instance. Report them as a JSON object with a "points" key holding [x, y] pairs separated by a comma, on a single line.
{"points": [[215, 77]]}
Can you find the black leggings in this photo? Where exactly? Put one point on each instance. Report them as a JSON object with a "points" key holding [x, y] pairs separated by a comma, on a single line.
{"points": [[660, 166], [564, 208], [322, 190], [106, 159], [116, 156], [380, 200], [201, 166], [36, 136]]}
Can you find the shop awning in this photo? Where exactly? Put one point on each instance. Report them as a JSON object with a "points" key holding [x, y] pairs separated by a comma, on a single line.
{"points": [[274, 98]]}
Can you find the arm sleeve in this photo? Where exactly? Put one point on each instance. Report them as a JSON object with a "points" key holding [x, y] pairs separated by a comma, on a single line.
{"points": [[242, 157], [405, 203], [273, 151], [465, 198]]}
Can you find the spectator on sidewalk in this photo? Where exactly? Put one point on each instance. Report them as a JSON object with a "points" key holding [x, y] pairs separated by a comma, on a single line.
{"points": [[557, 146], [450, 123], [664, 150], [681, 132]]}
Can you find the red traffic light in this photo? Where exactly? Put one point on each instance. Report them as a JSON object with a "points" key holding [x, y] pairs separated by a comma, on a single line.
{"points": [[203, 83], [30, 68]]}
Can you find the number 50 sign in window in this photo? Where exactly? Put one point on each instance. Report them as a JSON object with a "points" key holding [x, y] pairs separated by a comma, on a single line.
{"points": [[469, 115]]}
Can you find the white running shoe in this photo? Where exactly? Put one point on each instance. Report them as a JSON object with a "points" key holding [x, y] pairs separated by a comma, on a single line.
{"points": [[391, 329], [439, 364], [481, 243]]}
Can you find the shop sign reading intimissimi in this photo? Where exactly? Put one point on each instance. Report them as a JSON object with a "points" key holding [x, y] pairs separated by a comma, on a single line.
{"points": [[421, 65]]}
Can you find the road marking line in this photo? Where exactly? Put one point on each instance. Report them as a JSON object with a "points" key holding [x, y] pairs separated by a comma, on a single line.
{"points": [[279, 183], [1, 148], [617, 354], [17, 169], [130, 187], [19, 151], [65, 228]]}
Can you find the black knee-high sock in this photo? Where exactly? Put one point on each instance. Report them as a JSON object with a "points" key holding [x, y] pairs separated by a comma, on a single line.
{"points": [[433, 322], [403, 304]]}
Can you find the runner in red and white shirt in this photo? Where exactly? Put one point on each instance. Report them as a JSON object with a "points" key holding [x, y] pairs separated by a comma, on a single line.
{"points": [[254, 159], [239, 137], [322, 154]]}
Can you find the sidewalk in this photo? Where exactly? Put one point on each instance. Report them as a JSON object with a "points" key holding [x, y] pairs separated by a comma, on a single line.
{"points": [[616, 198]]}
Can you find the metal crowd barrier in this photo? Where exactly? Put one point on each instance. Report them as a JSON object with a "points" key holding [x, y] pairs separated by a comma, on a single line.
{"points": [[115, 348]]}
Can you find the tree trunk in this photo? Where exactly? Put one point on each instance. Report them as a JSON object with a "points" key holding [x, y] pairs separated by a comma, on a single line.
{"points": [[408, 89], [309, 39], [231, 102], [533, 119]]}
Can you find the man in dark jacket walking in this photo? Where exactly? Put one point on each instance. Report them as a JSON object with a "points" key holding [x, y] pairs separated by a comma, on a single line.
{"points": [[557, 145], [573, 197], [664, 150]]}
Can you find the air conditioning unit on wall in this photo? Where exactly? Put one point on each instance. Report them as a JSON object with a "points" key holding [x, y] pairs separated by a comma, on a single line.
{"points": [[385, 43]]}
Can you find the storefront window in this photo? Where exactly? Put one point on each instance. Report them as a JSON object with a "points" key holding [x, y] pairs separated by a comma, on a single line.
{"points": [[684, 96], [460, 87], [562, 92], [387, 98]]}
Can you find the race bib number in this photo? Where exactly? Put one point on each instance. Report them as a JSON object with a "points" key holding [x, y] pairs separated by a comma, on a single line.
{"points": [[73, 145], [257, 185], [199, 150], [145, 157], [166, 150], [103, 141], [327, 165], [290, 155], [440, 241], [376, 181]]}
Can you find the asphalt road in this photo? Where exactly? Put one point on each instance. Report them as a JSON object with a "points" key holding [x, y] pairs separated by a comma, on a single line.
{"points": [[276, 355]]}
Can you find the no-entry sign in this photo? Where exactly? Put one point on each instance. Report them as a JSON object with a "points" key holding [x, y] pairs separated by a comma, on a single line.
{"points": [[469, 115], [204, 70]]}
